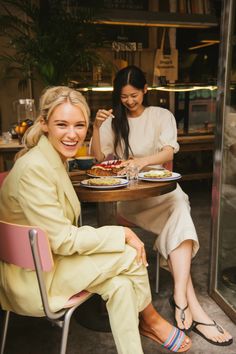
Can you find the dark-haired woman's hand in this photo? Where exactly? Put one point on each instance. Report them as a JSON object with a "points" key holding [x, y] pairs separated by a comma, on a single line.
{"points": [[101, 116], [140, 162]]}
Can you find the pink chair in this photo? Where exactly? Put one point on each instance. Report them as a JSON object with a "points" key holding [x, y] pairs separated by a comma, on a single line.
{"points": [[3, 175], [28, 247]]}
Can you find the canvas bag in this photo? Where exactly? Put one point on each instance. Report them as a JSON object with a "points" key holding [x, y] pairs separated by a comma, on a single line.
{"points": [[166, 60]]}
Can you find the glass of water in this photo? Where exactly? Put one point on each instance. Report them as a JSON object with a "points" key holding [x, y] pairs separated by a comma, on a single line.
{"points": [[6, 137], [132, 172]]}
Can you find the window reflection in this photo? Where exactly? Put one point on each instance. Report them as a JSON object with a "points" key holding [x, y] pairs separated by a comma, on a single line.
{"points": [[227, 241], [227, 223]]}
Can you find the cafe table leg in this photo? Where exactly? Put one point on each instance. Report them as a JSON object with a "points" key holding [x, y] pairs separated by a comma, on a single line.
{"points": [[93, 314], [106, 213]]}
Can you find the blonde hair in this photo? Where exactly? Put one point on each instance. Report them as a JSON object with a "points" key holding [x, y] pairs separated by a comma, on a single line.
{"points": [[50, 99]]}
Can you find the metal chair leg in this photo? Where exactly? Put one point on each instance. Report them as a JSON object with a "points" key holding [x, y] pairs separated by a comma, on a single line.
{"points": [[65, 330], [157, 272], [4, 332], [80, 216]]}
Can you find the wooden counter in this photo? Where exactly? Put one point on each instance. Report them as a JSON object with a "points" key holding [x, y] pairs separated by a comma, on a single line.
{"points": [[194, 147], [7, 153], [196, 142]]}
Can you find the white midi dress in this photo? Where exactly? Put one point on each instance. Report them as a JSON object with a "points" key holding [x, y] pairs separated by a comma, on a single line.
{"points": [[167, 216]]}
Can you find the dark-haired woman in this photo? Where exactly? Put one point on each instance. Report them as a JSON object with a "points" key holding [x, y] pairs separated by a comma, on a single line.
{"points": [[145, 136]]}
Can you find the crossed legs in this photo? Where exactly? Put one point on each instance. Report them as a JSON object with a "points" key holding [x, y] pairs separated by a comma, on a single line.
{"points": [[184, 294], [124, 285]]}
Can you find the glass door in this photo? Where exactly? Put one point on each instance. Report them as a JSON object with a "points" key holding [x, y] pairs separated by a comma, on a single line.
{"points": [[223, 260]]}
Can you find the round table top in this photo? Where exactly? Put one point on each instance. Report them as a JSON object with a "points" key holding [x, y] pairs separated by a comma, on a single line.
{"points": [[139, 190]]}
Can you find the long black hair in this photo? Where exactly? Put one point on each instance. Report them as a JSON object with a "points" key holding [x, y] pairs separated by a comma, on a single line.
{"points": [[130, 75]]}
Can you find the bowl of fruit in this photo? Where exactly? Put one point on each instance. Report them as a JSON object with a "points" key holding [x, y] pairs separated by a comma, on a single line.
{"points": [[21, 128]]}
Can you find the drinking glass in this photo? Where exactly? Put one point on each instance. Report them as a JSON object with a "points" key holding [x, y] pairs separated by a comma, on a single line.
{"points": [[132, 172], [6, 137], [83, 150]]}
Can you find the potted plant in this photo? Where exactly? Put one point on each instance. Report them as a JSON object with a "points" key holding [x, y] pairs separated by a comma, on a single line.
{"points": [[47, 39]]}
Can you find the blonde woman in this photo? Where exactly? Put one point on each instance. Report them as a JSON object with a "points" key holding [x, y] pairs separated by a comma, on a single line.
{"points": [[110, 261]]}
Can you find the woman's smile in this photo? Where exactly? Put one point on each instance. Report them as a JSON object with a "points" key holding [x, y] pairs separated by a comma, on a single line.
{"points": [[132, 99], [66, 134]]}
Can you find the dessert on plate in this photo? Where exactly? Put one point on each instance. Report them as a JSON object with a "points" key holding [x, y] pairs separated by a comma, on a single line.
{"points": [[106, 168], [157, 174], [107, 181]]}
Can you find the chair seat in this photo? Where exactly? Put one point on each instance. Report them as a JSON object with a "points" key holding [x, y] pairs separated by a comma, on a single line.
{"points": [[78, 299], [121, 221]]}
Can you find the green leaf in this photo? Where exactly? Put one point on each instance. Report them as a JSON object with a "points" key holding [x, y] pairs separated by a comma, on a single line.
{"points": [[48, 39]]}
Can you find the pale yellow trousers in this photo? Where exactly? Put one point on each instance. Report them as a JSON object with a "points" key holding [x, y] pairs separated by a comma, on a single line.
{"points": [[124, 285]]}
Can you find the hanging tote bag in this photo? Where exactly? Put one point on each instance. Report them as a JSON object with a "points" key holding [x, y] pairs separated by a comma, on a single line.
{"points": [[166, 60]]}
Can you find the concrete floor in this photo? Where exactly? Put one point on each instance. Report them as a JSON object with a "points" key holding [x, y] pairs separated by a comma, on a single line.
{"points": [[37, 336]]}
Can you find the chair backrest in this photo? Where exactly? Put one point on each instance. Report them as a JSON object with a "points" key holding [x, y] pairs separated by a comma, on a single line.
{"points": [[3, 175], [15, 246], [168, 165]]}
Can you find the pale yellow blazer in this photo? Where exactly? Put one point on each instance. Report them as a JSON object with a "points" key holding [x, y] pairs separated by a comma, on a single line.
{"points": [[38, 191]]}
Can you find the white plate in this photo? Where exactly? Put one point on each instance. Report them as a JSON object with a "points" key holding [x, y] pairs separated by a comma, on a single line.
{"points": [[115, 176], [122, 183], [174, 176]]}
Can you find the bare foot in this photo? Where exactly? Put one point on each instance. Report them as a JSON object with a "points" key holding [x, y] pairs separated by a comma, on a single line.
{"points": [[160, 330], [183, 315], [213, 332]]}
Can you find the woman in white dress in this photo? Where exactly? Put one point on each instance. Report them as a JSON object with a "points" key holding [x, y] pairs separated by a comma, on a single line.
{"points": [[143, 136]]}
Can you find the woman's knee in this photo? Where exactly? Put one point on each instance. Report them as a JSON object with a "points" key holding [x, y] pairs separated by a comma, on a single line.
{"points": [[120, 285]]}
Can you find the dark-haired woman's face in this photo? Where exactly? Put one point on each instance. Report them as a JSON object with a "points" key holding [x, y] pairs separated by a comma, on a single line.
{"points": [[132, 99]]}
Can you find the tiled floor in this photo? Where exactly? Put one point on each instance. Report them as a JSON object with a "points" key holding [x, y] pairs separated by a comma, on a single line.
{"points": [[37, 336]]}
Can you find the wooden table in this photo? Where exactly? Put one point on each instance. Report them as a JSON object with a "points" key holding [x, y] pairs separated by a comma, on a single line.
{"points": [[107, 199], [7, 152]]}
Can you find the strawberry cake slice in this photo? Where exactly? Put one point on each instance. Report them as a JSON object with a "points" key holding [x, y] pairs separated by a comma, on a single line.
{"points": [[106, 168]]}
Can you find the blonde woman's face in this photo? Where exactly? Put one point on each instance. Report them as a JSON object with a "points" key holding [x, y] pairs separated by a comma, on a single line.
{"points": [[66, 129]]}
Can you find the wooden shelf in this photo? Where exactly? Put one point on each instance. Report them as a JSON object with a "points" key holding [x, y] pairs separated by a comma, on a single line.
{"points": [[196, 142], [155, 19]]}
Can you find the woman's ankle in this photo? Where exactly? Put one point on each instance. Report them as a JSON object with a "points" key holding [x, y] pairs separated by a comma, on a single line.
{"points": [[180, 296], [149, 315]]}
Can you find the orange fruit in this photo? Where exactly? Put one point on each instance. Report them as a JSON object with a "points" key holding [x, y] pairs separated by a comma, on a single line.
{"points": [[22, 129]]}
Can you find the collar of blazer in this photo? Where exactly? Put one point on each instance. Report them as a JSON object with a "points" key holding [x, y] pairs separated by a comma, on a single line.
{"points": [[55, 161]]}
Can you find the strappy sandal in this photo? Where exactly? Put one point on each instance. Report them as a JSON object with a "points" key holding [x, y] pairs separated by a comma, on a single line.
{"points": [[182, 315], [214, 324], [172, 343]]}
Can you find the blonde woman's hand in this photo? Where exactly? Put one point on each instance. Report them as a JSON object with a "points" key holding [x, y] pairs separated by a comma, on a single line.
{"points": [[101, 116], [134, 241]]}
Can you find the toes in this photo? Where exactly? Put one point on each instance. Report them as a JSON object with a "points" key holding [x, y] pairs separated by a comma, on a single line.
{"points": [[186, 342]]}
